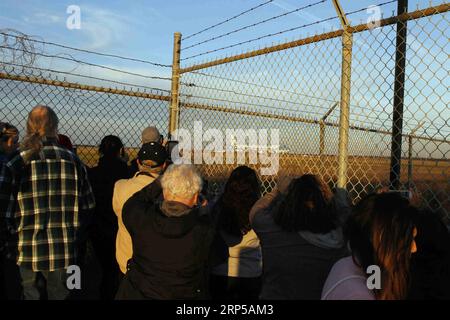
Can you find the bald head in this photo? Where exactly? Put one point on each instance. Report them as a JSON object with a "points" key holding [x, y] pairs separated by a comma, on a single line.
{"points": [[42, 121]]}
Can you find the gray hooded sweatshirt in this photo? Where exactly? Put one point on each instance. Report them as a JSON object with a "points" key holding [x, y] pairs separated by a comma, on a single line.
{"points": [[295, 264]]}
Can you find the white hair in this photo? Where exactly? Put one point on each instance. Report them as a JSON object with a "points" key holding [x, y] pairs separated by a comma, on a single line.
{"points": [[182, 181]]}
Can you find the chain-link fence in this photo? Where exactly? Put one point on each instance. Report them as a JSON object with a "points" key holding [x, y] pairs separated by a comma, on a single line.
{"points": [[86, 113], [296, 88]]}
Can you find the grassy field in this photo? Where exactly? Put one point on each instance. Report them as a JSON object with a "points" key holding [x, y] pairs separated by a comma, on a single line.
{"points": [[430, 177]]}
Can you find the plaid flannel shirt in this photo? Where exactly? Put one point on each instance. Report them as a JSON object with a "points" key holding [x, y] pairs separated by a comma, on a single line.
{"points": [[46, 198]]}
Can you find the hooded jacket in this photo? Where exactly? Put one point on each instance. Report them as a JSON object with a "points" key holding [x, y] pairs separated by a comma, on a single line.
{"points": [[171, 243], [295, 264]]}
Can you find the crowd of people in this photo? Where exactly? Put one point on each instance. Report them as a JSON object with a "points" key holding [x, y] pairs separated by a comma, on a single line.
{"points": [[157, 233]]}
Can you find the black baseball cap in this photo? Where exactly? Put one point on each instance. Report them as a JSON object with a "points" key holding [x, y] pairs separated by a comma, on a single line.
{"points": [[153, 151]]}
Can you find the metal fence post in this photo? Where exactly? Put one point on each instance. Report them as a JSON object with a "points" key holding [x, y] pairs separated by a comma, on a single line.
{"points": [[399, 93], [344, 117], [175, 88]]}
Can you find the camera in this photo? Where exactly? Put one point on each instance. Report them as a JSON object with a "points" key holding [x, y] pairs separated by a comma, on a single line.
{"points": [[171, 146]]}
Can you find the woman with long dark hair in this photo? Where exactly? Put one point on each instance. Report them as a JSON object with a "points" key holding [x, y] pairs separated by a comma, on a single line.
{"points": [[300, 237], [237, 275], [380, 234], [9, 140]]}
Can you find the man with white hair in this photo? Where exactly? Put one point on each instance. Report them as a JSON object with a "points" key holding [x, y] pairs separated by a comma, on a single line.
{"points": [[171, 236]]}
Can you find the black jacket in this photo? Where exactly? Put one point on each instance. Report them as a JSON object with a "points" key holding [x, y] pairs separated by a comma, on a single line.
{"points": [[133, 168], [103, 177], [170, 254], [430, 265]]}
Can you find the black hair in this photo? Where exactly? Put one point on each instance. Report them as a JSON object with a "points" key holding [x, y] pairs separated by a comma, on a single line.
{"points": [[241, 192], [7, 131], [380, 232], [110, 146], [307, 206], [430, 265]]}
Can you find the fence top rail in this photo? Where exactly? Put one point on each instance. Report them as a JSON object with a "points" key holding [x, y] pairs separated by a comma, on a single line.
{"points": [[422, 13], [298, 119], [71, 85]]}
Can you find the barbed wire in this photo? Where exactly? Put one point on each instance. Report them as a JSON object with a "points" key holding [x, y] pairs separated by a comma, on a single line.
{"points": [[255, 24], [365, 9], [229, 19], [259, 38], [83, 50], [90, 64], [22, 42], [282, 31], [82, 76]]}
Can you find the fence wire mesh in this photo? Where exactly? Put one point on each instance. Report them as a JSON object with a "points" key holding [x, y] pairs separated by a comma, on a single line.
{"points": [[297, 90], [425, 150], [85, 114], [272, 85]]}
